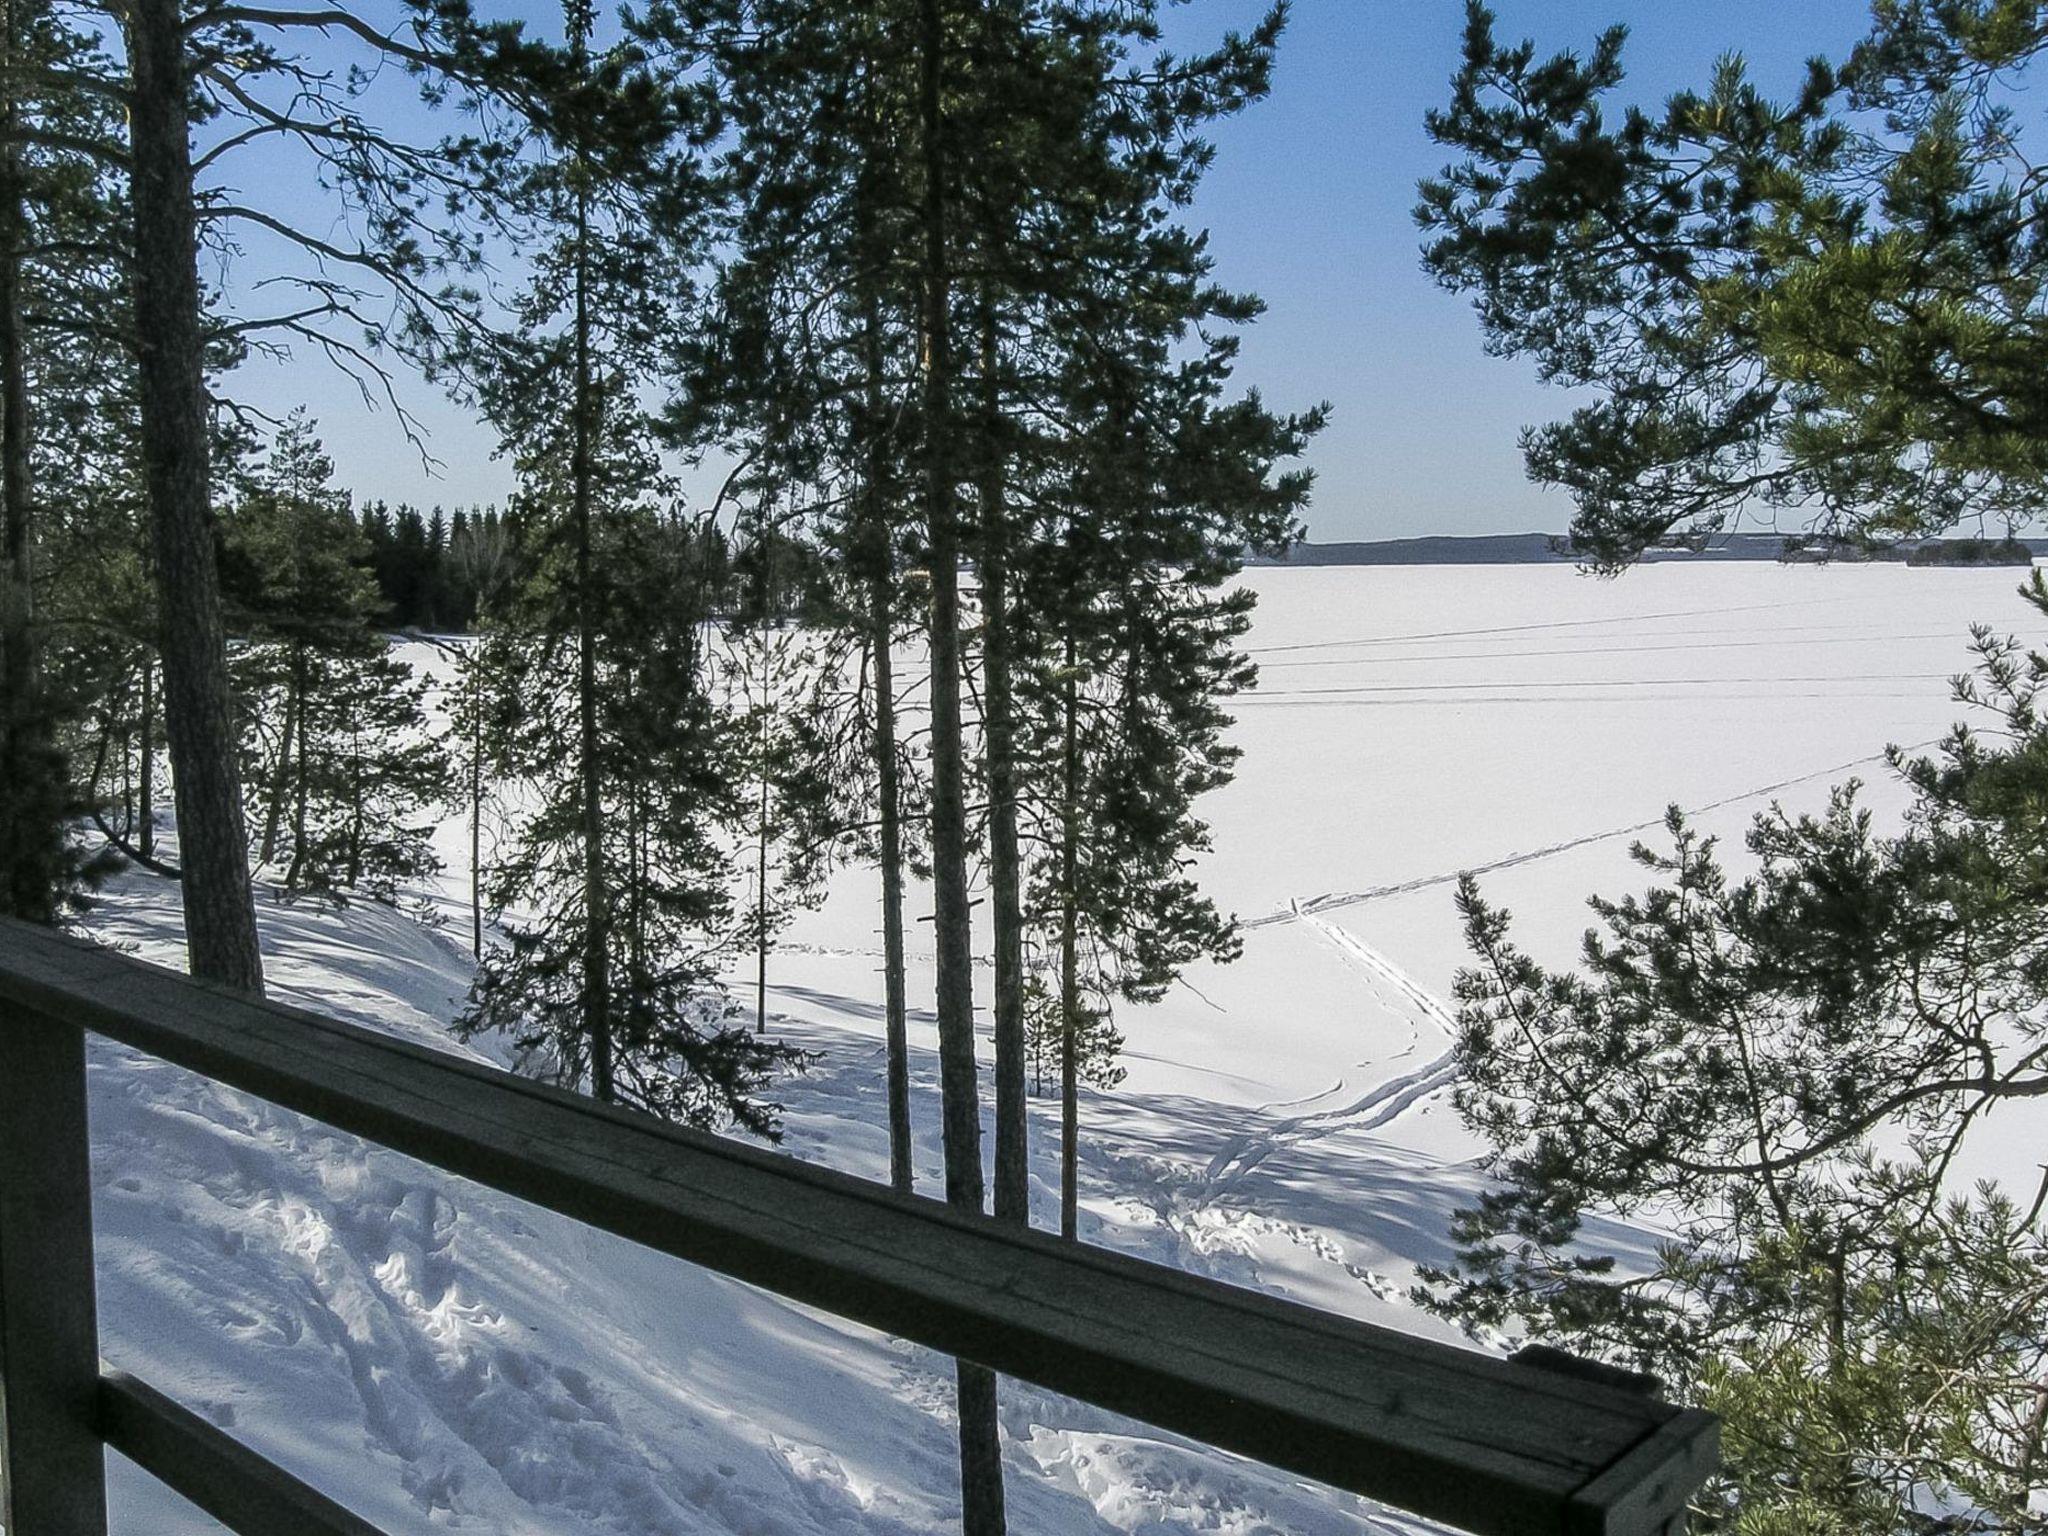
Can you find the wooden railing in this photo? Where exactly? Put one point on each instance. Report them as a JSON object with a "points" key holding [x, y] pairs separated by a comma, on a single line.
{"points": [[1490, 1445]]}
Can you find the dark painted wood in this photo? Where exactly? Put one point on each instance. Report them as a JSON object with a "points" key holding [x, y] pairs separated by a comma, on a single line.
{"points": [[1445, 1432], [244, 1492], [52, 1469], [1546, 1358]]}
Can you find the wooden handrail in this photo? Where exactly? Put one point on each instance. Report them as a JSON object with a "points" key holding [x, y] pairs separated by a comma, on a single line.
{"points": [[1445, 1432]]}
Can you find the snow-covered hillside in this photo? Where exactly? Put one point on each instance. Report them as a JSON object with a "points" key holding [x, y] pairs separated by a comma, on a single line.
{"points": [[442, 1357], [445, 1358]]}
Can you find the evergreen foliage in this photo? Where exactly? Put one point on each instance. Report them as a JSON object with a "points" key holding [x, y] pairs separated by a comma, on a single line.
{"points": [[947, 221], [345, 771], [435, 571], [1827, 307], [617, 898], [57, 143], [671, 772], [1788, 1072]]}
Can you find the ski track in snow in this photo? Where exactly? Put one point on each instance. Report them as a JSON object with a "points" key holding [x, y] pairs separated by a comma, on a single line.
{"points": [[1379, 1105], [1242, 1213], [1331, 901]]}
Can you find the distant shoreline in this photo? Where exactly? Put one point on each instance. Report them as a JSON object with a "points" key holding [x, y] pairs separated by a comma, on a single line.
{"points": [[1553, 549]]}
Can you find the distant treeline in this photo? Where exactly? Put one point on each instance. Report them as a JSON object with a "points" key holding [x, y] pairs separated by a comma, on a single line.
{"points": [[436, 570], [433, 568], [1552, 548]]}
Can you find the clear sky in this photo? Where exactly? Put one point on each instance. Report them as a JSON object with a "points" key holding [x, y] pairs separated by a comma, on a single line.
{"points": [[1309, 206]]}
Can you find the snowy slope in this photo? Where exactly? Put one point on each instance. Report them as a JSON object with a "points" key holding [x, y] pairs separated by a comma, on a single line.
{"points": [[445, 1358]]}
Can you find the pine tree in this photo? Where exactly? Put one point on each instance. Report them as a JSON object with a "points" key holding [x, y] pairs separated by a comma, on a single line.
{"points": [[1116, 491], [58, 142], [220, 917], [96, 580], [1786, 1068], [780, 696], [884, 152], [816, 414], [1125, 699], [618, 893], [206, 84], [1823, 308]]}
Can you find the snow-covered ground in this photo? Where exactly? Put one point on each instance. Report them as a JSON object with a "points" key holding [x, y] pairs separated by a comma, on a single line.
{"points": [[445, 1358]]}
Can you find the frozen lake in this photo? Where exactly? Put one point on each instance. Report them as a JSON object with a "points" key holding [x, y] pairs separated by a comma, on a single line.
{"points": [[1523, 720]]}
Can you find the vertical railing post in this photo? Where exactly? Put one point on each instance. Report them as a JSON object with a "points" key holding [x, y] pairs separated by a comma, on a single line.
{"points": [[52, 1465]]}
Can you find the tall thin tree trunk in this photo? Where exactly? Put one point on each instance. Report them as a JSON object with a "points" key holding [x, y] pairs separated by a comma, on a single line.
{"points": [[951, 917], [127, 767], [220, 909], [881, 573], [890, 792], [301, 787], [281, 776], [476, 815], [637, 870], [145, 748], [24, 737], [355, 808], [761, 914], [999, 746], [1070, 952], [597, 1022], [981, 1463]]}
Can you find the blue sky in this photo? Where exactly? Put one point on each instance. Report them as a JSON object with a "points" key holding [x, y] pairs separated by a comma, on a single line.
{"points": [[1308, 206]]}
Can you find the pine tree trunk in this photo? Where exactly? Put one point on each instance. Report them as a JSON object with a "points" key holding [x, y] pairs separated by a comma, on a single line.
{"points": [[281, 776], [881, 575], [999, 738], [355, 811], [145, 793], [889, 791], [23, 732], [1070, 955], [981, 1463], [127, 760], [761, 914], [220, 909], [639, 866], [300, 785], [476, 817], [597, 1024], [951, 917]]}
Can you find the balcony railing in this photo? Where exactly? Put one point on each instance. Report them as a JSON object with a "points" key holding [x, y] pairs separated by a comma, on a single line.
{"points": [[1486, 1444]]}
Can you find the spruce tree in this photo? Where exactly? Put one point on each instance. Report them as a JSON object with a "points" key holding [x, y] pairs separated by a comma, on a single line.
{"points": [[344, 766], [669, 771]]}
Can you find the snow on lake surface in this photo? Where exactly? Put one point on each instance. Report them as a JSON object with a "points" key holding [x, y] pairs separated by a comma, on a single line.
{"points": [[443, 1358]]}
